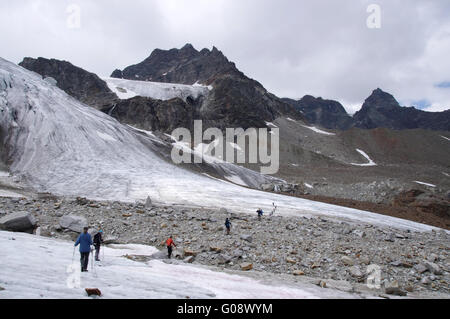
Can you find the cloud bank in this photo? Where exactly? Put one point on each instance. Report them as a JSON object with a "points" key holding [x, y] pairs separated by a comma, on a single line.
{"points": [[323, 47]]}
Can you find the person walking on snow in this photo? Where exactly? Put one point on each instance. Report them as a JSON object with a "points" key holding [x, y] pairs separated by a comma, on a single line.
{"points": [[273, 210], [228, 225], [98, 240], [170, 244], [85, 242], [260, 213]]}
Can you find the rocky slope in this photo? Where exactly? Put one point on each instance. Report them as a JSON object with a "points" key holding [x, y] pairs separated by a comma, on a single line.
{"points": [[323, 250], [81, 84]]}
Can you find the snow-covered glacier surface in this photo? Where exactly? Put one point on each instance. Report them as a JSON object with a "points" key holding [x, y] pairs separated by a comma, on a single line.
{"points": [[60, 145], [126, 89]]}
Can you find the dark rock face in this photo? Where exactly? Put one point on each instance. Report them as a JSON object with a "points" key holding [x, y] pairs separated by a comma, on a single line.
{"points": [[155, 115], [241, 103], [82, 85], [235, 101], [382, 110], [326, 113], [183, 66]]}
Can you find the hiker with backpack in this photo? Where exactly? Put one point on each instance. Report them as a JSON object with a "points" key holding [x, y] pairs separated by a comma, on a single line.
{"points": [[260, 213], [98, 240], [170, 243], [228, 226], [85, 242]]}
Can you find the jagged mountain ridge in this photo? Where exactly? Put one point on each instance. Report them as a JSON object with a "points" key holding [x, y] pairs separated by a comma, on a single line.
{"points": [[380, 110], [183, 66], [234, 101]]}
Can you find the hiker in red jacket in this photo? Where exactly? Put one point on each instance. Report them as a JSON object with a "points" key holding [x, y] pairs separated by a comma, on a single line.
{"points": [[170, 244]]}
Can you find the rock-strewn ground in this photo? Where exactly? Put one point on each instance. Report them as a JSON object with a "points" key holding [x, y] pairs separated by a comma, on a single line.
{"points": [[319, 248]]}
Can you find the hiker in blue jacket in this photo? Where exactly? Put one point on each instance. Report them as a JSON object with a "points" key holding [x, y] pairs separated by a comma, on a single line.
{"points": [[85, 242]]}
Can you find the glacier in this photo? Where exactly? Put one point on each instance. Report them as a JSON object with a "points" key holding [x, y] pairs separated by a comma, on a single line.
{"points": [[126, 89], [56, 144]]}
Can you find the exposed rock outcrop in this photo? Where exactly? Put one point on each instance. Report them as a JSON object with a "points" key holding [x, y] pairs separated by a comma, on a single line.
{"points": [[326, 113], [81, 84]]}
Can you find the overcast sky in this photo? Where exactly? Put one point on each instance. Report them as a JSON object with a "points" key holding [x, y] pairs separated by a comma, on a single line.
{"points": [[321, 47]]}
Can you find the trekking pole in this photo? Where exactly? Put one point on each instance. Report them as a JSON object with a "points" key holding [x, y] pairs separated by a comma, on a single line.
{"points": [[73, 255], [92, 260], [93, 264]]}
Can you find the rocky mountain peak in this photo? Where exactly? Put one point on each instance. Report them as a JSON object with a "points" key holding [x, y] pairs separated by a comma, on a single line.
{"points": [[381, 109], [184, 66], [380, 99], [188, 47]]}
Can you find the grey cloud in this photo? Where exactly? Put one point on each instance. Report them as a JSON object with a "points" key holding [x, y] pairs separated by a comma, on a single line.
{"points": [[292, 47]]}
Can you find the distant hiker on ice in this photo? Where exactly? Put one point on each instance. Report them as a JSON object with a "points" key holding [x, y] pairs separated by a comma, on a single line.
{"points": [[273, 209], [260, 213], [98, 240], [228, 226], [85, 242], [170, 244]]}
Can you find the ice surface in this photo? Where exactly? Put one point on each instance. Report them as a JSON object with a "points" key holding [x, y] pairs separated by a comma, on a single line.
{"points": [[38, 267], [126, 89], [4, 174], [315, 129], [236, 179], [8, 193], [56, 146]]}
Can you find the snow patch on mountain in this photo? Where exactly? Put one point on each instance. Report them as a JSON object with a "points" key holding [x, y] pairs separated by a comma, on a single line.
{"points": [[426, 184], [126, 89], [315, 129], [371, 163]]}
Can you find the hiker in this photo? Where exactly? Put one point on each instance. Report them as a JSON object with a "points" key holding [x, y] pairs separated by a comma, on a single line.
{"points": [[273, 210], [260, 213], [228, 225], [85, 242], [170, 244], [98, 240]]}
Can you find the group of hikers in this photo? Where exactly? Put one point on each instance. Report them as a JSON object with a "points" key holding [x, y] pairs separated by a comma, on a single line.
{"points": [[85, 241]]}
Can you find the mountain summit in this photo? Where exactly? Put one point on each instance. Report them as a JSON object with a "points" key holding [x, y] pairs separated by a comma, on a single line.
{"points": [[381, 109], [234, 101], [182, 66]]}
